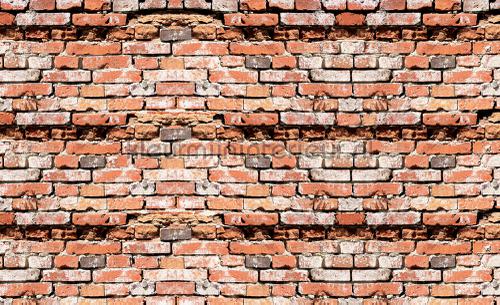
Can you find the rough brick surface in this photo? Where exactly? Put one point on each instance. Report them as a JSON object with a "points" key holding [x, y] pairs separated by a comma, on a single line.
{"points": [[249, 152]]}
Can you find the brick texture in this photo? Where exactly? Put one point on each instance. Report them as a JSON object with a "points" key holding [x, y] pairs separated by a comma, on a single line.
{"points": [[249, 152]]}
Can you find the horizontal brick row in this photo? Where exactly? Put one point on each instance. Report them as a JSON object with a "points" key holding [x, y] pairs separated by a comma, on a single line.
{"points": [[257, 5]]}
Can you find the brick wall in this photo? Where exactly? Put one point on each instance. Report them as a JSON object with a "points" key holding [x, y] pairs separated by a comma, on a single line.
{"points": [[249, 152]]}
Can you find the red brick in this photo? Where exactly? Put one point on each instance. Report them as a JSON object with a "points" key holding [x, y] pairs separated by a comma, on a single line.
{"points": [[99, 19], [450, 19], [251, 19]]}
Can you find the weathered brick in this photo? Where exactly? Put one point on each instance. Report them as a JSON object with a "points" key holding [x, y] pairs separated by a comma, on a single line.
{"points": [[175, 34], [443, 62], [258, 62], [174, 134], [125, 5], [175, 234], [92, 161], [442, 262], [92, 262], [257, 262], [443, 161], [47, 19]]}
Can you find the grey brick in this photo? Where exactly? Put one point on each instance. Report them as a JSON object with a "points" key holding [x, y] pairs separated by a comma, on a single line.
{"points": [[207, 288], [142, 188], [92, 261], [258, 162], [92, 161], [175, 34], [258, 262], [175, 233], [258, 62], [443, 161], [173, 134], [441, 262], [207, 188], [443, 62]]}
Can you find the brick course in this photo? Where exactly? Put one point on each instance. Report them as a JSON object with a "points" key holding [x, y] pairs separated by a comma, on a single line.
{"points": [[249, 152]]}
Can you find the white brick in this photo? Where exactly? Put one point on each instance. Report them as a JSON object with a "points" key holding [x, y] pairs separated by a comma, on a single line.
{"points": [[371, 75], [310, 262], [40, 262], [19, 175], [390, 62], [125, 5], [371, 175], [19, 275], [390, 161], [37, 19], [390, 262], [314, 62], [350, 204], [176, 75], [383, 18], [330, 75], [328, 275], [491, 160], [350, 105], [371, 275], [43, 218], [40, 161], [19, 76], [306, 218], [317, 18], [330, 175], [282, 4], [175, 174], [491, 261], [175, 275], [225, 5], [352, 47], [351, 247], [476, 5]]}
